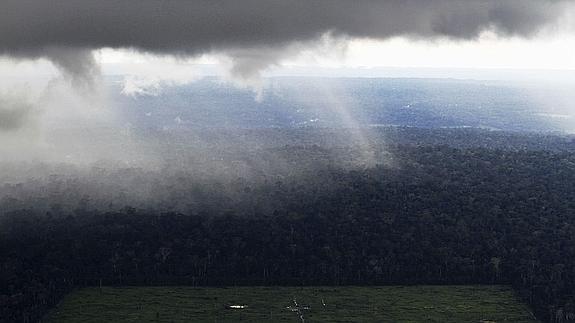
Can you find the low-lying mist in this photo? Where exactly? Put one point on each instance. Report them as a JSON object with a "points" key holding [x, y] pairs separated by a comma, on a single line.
{"points": [[207, 145], [66, 152]]}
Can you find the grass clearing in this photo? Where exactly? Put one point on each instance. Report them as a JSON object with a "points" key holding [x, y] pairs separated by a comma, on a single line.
{"points": [[276, 304]]}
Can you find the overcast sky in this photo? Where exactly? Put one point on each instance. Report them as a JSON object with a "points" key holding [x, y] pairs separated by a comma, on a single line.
{"points": [[249, 37], [547, 52], [164, 42]]}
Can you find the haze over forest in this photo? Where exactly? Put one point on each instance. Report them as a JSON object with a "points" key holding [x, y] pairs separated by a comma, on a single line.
{"points": [[295, 143]]}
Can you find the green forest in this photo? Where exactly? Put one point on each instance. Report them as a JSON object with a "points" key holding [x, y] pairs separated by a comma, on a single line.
{"points": [[436, 215]]}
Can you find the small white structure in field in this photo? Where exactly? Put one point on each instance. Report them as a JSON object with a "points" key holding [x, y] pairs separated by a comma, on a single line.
{"points": [[298, 309], [238, 307]]}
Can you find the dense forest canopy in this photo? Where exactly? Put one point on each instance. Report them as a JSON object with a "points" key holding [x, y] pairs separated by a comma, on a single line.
{"points": [[402, 206]]}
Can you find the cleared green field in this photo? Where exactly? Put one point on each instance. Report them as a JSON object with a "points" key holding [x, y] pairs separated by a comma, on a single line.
{"points": [[288, 304]]}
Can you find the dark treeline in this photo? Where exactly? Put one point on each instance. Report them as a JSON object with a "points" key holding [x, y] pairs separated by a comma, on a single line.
{"points": [[436, 215]]}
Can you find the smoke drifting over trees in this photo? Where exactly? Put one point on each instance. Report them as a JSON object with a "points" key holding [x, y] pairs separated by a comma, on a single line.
{"points": [[255, 33]]}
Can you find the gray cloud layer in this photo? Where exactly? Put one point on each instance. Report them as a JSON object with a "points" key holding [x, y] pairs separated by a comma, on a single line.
{"points": [[254, 31]]}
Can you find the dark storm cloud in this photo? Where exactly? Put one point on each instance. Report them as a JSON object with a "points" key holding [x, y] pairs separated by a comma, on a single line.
{"points": [[255, 32], [78, 65]]}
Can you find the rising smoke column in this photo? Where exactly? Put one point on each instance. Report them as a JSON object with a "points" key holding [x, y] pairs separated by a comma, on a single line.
{"points": [[255, 33]]}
